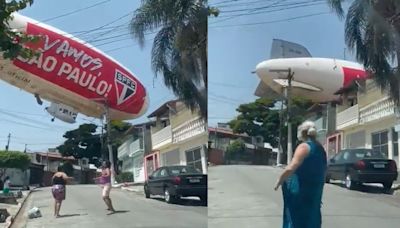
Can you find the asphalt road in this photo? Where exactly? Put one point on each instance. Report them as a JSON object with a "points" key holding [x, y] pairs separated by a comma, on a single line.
{"points": [[243, 196], [84, 207]]}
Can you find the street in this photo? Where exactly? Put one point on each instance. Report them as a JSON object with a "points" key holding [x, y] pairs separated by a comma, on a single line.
{"points": [[243, 196], [84, 207]]}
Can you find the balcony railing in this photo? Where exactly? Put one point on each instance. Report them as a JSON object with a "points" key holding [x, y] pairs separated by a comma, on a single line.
{"points": [[162, 137], [123, 150], [377, 110], [189, 129], [136, 146], [347, 118]]}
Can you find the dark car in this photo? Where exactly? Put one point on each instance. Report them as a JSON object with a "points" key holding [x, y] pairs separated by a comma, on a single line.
{"points": [[174, 182], [357, 166]]}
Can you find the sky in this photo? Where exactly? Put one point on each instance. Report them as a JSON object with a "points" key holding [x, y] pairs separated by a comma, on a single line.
{"points": [[241, 37], [29, 123]]}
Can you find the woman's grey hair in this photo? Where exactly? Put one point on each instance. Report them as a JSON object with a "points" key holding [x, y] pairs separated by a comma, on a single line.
{"points": [[307, 130]]}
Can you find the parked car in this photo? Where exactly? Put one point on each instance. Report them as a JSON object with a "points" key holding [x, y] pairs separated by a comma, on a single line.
{"points": [[357, 166], [174, 182]]}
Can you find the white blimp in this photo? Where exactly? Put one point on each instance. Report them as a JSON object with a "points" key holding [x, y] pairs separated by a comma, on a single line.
{"points": [[316, 79]]}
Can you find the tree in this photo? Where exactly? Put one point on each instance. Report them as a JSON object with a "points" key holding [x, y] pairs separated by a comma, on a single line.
{"points": [[13, 159], [261, 118], [372, 30], [68, 168], [179, 49], [85, 142], [235, 149], [11, 41]]}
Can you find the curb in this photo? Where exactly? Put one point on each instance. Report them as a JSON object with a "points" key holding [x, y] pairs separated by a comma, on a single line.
{"points": [[12, 218], [132, 190]]}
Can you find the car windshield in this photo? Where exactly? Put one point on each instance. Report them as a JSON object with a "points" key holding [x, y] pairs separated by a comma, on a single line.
{"points": [[360, 154], [176, 170]]}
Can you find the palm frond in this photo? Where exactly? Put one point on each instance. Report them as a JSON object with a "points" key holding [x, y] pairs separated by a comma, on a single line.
{"points": [[336, 6]]}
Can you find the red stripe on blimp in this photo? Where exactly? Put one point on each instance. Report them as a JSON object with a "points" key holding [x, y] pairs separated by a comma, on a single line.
{"points": [[351, 74], [82, 70]]}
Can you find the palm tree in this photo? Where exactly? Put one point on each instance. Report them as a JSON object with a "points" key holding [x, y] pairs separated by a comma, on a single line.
{"points": [[179, 49], [372, 30]]}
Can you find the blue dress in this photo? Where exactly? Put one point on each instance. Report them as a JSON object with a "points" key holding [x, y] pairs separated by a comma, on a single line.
{"points": [[302, 191]]}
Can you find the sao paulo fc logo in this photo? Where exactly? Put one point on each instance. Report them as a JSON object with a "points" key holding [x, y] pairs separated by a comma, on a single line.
{"points": [[125, 86]]}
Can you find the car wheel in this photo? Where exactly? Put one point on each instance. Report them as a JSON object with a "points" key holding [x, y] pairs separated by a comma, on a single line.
{"points": [[349, 183], [387, 186], [168, 197], [146, 192]]}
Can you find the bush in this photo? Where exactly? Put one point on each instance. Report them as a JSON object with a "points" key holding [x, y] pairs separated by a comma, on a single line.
{"points": [[13, 159], [124, 177]]}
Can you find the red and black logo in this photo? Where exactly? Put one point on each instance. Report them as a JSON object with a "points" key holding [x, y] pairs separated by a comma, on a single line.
{"points": [[125, 86]]}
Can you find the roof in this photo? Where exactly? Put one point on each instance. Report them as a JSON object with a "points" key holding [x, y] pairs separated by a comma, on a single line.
{"points": [[56, 156], [226, 131], [138, 126], [163, 108]]}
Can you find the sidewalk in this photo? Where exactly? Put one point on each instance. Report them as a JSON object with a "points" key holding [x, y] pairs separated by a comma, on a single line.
{"points": [[14, 209], [133, 187]]}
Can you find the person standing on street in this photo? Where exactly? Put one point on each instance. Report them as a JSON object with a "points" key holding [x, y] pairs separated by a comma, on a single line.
{"points": [[303, 181], [105, 181], [58, 189]]}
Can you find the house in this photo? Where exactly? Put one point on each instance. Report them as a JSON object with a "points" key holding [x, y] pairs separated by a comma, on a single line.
{"points": [[137, 144], [178, 136], [222, 136], [50, 160], [367, 118]]}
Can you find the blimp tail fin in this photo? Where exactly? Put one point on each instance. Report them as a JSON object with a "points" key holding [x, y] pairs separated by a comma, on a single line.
{"points": [[285, 49], [264, 90]]}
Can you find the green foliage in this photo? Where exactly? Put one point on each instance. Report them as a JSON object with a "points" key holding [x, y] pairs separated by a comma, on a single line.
{"points": [[14, 159], [68, 169], [12, 41], [86, 142], [372, 31], [261, 118], [235, 150], [124, 177], [179, 49]]}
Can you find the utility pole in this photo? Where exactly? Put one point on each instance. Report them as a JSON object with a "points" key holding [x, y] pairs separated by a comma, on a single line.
{"points": [[289, 104], [25, 148], [8, 141], [110, 151], [280, 149]]}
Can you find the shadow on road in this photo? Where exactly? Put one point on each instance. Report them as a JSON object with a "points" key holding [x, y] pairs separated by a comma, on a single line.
{"points": [[184, 202], [118, 212], [369, 189], [70, 215]]}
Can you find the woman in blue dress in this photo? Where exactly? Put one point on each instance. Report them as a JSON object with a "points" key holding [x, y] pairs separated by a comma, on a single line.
{"points": [[303, 181]]}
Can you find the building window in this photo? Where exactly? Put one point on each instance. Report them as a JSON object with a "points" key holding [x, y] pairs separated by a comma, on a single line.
{"points": [[380, 142], [193, 158], [170, 158], [395, 143]]}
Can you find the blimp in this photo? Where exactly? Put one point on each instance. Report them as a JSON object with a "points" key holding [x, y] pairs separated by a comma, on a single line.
{"points": [[315, 79], [73, 75]]}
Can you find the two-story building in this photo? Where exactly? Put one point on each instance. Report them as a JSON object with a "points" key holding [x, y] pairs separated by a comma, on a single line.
{"points": [[367, 118], [137, 144], [178, 136]]}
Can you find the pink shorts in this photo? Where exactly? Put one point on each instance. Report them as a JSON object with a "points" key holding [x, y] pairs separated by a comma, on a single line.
{"points": [[106, 190]]}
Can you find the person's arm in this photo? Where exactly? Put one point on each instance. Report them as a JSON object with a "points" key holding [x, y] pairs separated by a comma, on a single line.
{"points": [[301, 152], [107, 173]]}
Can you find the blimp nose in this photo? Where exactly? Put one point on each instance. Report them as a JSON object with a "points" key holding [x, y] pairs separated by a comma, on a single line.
{"points": [[262, 69]]}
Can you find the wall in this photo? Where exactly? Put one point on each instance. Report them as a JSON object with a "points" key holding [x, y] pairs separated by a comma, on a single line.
{"points": [[372, 93]]}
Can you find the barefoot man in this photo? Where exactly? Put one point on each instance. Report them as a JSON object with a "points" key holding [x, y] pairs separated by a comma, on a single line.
{"points": [[105, 181]]}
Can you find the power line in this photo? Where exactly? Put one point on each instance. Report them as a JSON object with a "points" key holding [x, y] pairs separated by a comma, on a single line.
{"points": [[270, 22], [76, 11]]}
